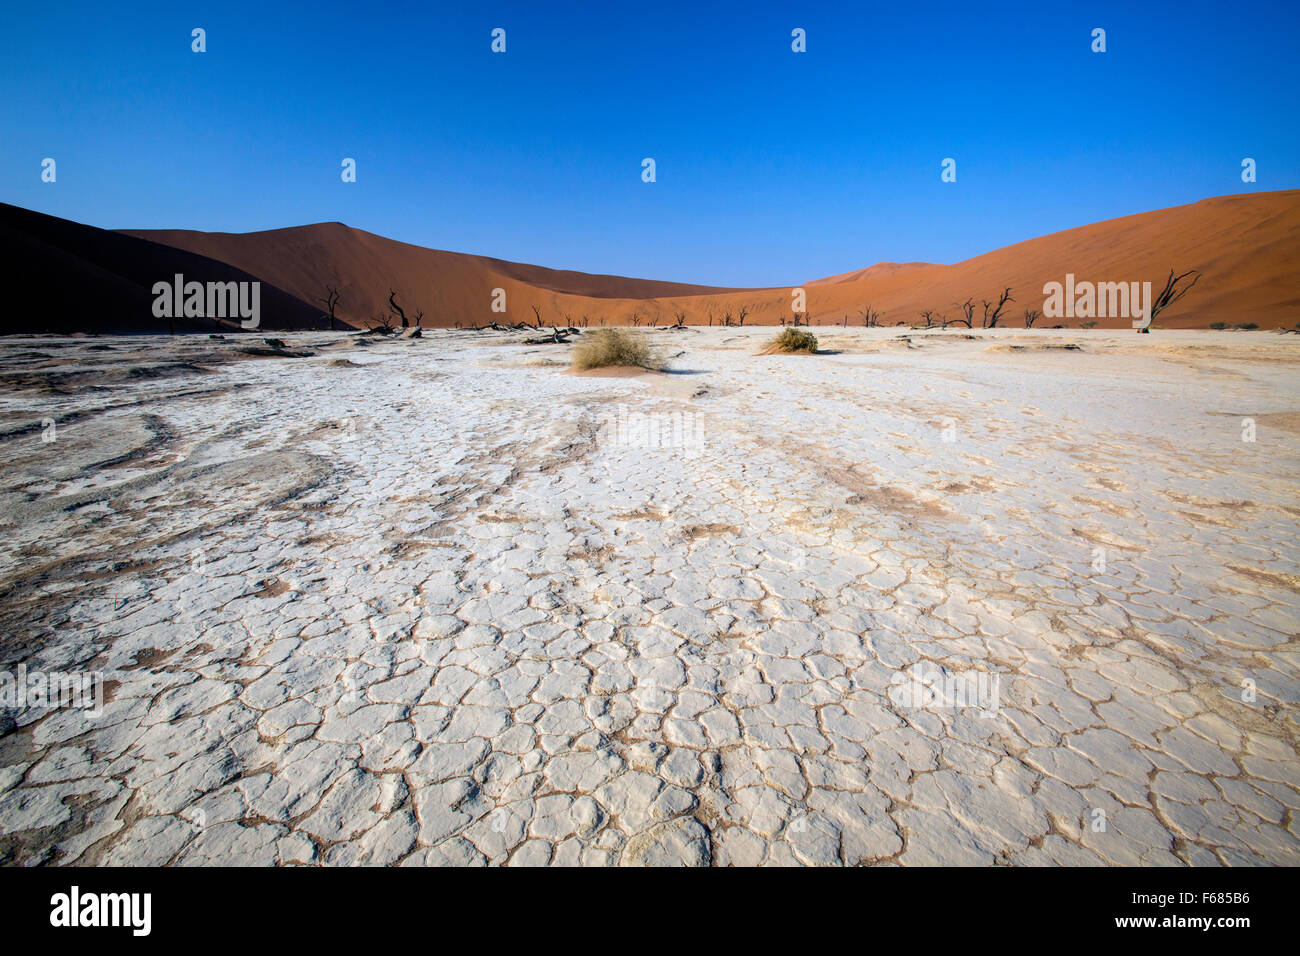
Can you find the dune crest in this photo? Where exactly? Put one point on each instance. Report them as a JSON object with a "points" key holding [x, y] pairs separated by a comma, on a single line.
{"points": [[87, 279], [1246, 245]]}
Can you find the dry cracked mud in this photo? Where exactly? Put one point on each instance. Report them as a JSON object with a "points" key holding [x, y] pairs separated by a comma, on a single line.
{"points": [[931, 598]]}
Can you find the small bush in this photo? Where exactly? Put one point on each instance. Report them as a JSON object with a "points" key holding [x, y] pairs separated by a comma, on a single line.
{"points": [[1219, 325], [795, 340], [1247, 326], [1090, 325], [609, 347]]}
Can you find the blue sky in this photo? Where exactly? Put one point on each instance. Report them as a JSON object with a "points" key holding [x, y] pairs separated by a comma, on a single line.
{"points": [[772, 167]]}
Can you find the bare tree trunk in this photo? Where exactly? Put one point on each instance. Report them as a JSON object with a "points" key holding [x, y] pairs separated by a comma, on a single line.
{"points": [[397, 309], [991, 321], [331, 301], [1170, 294]]}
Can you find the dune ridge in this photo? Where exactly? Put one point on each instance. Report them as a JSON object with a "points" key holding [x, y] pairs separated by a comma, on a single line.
{"points": [[1247, 247], [75, 277]]}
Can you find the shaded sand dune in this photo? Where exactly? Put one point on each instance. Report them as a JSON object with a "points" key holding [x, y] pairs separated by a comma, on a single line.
{"points": [[1247, 246], [67, 277]]}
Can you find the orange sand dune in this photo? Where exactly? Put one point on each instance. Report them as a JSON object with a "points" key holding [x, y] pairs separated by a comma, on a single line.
{"points": [[450, 287], [879, 270], [1247, 246]]}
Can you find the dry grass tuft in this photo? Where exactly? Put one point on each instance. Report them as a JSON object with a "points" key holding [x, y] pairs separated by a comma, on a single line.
{"points": [[794, 340], [605, 348]]}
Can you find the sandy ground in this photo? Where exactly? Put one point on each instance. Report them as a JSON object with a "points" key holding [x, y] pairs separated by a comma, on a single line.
{"points": [[930, 598]]}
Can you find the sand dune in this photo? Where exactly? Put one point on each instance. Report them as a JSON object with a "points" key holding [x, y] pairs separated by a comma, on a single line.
{"points": [[878, 271], [1247, 247], [450, 287], [67, 277], [78, 278]]}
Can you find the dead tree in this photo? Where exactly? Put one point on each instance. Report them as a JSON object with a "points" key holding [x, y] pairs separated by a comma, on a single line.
{"points": [[381, 322], [556, 337], [1031, 316], [331, 301], [1170, 294], [870, 317], [680, 318], [991, 319], [397, 309], [741, 313], [967, 312]]}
